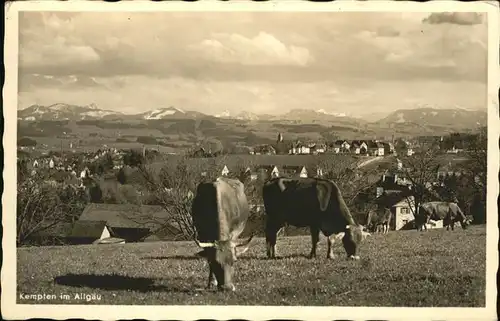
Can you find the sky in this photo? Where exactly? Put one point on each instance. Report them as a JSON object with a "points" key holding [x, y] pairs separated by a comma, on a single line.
{"points": [[261, 62]]}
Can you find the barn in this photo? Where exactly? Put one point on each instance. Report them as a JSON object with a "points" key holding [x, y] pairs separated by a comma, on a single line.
{"points": [[133, 223], [87, 232]]}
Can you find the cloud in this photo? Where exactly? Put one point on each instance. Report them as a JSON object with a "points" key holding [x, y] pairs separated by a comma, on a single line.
{"points": [[459, 18], [267, 62], [263, 49]]}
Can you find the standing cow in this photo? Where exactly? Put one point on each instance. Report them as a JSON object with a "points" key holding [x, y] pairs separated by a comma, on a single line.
{"points": [[314, 203], [379, 217], [220, 211], [449, 212]]}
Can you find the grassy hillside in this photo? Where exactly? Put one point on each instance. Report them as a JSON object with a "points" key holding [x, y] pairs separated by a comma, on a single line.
{"points": [[181, 134], [436, 268]]}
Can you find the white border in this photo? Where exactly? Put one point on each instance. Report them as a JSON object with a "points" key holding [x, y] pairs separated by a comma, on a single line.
{"points": [[12, 310]]}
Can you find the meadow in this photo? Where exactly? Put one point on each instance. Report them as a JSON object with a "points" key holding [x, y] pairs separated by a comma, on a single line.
{"points": [[437, 268]]}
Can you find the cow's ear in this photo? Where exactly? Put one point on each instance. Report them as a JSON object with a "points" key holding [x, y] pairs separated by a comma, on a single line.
{"points": [[323, 193]]}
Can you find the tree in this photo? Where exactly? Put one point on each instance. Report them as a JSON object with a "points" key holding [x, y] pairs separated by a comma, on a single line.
{"points": [[121, 177], [133, 158], [349, 176], [173, 187], [25, 141], [421, 169], [41, 207], [95, 193]]}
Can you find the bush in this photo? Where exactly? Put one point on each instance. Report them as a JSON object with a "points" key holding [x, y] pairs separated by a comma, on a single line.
{"points": [[148, 140], [25, 141]]}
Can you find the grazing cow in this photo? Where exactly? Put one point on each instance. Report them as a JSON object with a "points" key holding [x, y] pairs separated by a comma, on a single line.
{"points": [[449, 212], [312, 202], [380, 217], [220, 211]]}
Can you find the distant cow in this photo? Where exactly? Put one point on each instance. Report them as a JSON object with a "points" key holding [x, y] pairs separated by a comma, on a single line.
{"points": [[449, 212], [220, 211], [314, 203], [380, 217]]}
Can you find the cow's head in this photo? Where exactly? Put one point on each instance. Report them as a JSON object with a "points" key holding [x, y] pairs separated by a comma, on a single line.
{"points": [[465, 223], [422, 217], [353, 236], [221, 256]]}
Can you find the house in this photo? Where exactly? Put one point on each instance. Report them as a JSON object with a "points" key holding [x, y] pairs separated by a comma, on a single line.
{"points": [[264, 149], [314, 171], [404, 213], [87, 232], [224, 171], [402, 206], [388, 148], [380, 149], [392, 181], [130, 222], [345, 147], [294, 171], [454, 150], [355, 147], [321, 148], [450, 169], [373, 148], [267, 171], [299, 148], [335, 147]]}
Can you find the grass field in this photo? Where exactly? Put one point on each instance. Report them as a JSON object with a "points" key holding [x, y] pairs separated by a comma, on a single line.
{"points": [[436, 268]]}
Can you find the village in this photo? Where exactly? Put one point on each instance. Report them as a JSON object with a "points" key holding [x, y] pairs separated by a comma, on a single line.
{"points": [[109, 218]]}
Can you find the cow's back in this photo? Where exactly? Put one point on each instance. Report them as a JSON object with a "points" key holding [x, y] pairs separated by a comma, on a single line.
{"points": [[305, 201], [205, 212], [220, 210], [233, 207], [291, 200]]}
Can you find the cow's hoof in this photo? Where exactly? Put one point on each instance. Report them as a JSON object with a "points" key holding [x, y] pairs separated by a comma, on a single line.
{"points": [[227, 288], [354, 257]]}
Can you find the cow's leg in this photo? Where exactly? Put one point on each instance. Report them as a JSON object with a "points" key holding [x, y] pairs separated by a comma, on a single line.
{"points": [[315, 240], [271, 235], [212, 281], [452, 226], [331, 239]]}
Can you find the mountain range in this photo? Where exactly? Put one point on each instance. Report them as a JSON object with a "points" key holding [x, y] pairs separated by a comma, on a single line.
{"points": [[453, 118]]}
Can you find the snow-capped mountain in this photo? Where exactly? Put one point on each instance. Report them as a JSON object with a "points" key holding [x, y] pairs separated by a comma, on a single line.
{"points": [[224, 114], [162, 113], [314, 116], [62, 111], [449, 118], [322, 111], [246, 115]]}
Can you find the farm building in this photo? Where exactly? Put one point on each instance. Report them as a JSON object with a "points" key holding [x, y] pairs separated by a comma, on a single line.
{"points": [[294, 171], [87, 232], [133, 223], [402, 206]]}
